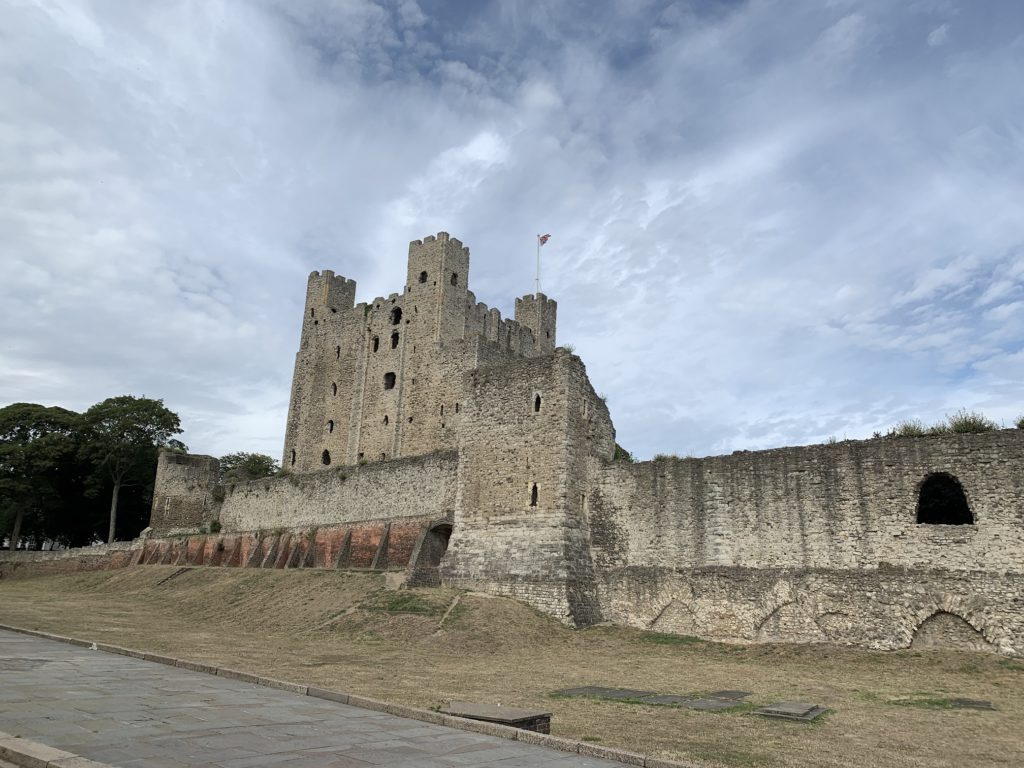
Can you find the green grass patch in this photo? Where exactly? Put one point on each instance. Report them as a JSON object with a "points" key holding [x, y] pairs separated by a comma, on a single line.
{"points": [[664, 638], [404, 602]]}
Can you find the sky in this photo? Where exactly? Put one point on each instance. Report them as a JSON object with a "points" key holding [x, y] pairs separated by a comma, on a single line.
{"points": [[772, 222]]}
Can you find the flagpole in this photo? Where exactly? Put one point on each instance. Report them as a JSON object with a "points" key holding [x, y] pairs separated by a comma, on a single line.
{"points": [[537, 282]]}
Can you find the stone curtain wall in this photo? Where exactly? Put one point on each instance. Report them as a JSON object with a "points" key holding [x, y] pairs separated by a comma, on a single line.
{"points": [[816, 544], [422, 486], [847, 505]]}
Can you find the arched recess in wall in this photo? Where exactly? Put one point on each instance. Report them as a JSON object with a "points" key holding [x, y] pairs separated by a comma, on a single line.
{"points": [[947, 630], [396, 315], [423, 277], [325, 457], [389, 380], [428, 553], [941, 501], [334, 388]]}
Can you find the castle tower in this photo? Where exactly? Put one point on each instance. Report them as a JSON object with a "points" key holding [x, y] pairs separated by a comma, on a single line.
{"points": [[438, 277], [323, 373], [538, 313]]}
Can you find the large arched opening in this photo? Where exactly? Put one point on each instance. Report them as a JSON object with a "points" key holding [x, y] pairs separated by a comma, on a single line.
{"points": [[941, 501]]}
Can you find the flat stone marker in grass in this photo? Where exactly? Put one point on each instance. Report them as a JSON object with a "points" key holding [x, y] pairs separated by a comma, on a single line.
{"points": [[792, 710], [598, 692], [526, 719], [970, 704]]}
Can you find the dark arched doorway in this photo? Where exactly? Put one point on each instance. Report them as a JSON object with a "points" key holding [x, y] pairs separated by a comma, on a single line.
{"points": [[427, 556]]}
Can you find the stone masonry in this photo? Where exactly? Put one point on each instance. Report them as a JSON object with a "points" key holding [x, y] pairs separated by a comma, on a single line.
{"points": [[426, 432]]}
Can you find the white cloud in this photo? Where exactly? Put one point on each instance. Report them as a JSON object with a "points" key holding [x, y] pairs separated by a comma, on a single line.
{"points": [[770, 224], [938, 36]]}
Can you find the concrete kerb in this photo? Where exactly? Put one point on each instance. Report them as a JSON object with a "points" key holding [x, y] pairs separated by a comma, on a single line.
{"points": [[30, 754], [340, 697]]}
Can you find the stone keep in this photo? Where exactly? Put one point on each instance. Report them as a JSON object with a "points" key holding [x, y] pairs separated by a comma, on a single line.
{"points": [[427, 432]]}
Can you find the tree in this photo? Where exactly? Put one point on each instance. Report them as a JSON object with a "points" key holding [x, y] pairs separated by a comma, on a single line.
{"points": [[123, 435], [37, 446], [247, 466]]}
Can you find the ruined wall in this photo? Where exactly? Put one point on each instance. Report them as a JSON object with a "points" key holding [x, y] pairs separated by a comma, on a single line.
{"points": [[519, 527], [885, 608], [817, 544], [422, 486], [102, 557], [183, 492], [848, 505]]}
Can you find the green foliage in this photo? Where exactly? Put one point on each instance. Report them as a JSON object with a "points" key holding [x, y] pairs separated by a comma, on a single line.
{"points": [[621, 454], [215, 526], [38, 452], [247, 466], [663, 638], [961, 422], [909, 428], [122, 436], [1019, 423], [966, 422]]}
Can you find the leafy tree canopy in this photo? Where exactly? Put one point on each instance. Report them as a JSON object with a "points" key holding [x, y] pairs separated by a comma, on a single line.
{"points": [[247, 466]]}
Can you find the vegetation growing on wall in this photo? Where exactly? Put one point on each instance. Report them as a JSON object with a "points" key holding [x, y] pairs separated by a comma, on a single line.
{"points": [[961, 422], [247, 466]]}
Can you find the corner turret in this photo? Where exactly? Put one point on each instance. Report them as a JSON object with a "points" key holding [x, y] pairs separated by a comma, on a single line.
{"points": [[538, 313]]}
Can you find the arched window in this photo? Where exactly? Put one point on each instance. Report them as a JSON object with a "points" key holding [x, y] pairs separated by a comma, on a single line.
{"points": [[396, 315], [376, 343], [455, 278], [325, 457], [536, 403], [942, 501], [394, 340], [334, 388], [389, 380], [533, 496], [423, 277]]}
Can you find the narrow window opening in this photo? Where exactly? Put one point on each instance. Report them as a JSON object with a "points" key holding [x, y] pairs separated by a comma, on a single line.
{"points": [[325, 457], [334, 311], [360, 456], [410, 419], [536, 404], [389, 380], [442, 409], [316, 322], [396, 315], [394, 340], [533, 496], [456, 407], [334, 389], [337, 353], [385, 419], [455, 278], [330, 426], [423, 277], [442, 425], [312, 312], [293, 457], [376, 343], [383, 456], [942, 501]]}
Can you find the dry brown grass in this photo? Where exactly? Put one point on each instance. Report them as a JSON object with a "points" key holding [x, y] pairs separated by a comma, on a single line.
{"points": [[343, 630]]}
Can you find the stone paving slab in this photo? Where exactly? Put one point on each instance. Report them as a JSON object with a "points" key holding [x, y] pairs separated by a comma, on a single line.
{"points": [[131, 712]]}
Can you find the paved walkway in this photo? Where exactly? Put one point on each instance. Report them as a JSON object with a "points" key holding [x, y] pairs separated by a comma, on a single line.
{"points": [[129, 712]]}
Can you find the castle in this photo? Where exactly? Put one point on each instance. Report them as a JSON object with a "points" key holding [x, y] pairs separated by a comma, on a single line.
{"points": [[427, 434]]}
